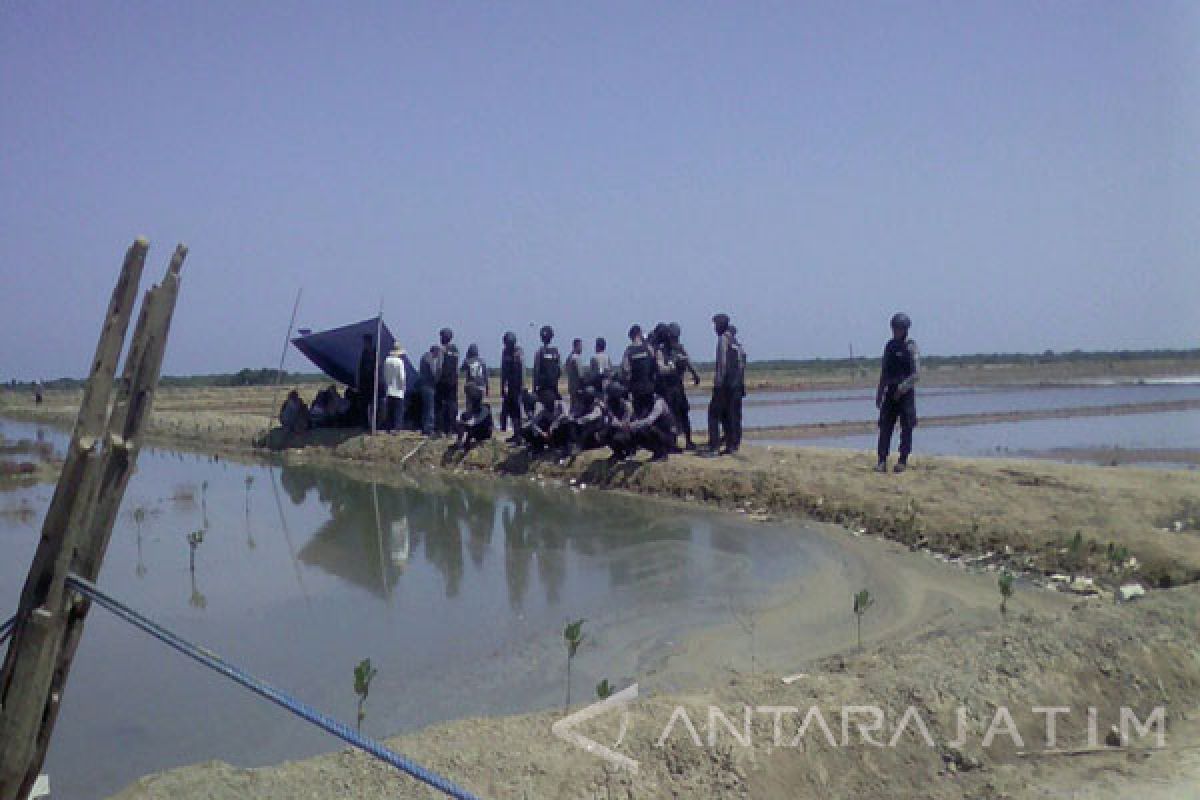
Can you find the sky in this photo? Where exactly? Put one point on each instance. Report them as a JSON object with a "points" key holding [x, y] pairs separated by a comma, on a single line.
{"points": [[1016, 176]]}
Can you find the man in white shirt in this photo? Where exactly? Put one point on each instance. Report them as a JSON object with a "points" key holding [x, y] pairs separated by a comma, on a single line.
{"points": [[394, 378]]}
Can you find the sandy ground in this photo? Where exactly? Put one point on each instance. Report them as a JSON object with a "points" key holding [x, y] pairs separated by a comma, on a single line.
{"points": [[934, 639]]}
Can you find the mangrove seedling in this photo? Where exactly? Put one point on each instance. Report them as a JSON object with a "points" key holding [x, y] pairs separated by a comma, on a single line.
{"points": [[604, 689], [249, 484], [204, 503], [573, 636], [364, 673], [1005, 584], [862, 603], [194, 539], [139, 516]]}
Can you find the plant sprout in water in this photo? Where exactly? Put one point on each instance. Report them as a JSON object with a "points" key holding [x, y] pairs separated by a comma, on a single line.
{"points": [[573, 636], [862, 603], [194, 540], [1005, 584], [250, 543], [139, 516], [204, 504], [364, 673]]}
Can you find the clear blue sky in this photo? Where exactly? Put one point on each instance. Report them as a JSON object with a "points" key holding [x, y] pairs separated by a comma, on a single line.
{"points": [[1017, 176]]}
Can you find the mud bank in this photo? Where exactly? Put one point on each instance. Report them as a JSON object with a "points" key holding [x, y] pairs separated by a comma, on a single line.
{"points": [[1096, 655]]}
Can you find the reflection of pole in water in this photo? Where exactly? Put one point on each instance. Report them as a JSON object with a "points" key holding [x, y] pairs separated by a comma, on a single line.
{"points": [[383, 559], [287, 537]]}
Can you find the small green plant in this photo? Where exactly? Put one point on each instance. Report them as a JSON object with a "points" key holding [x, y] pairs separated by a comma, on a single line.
{"points": [[1005, 584], [1118, 557], [364, 673], [194, 540], [204, 503], [604, 689], [862, 603], [573, 636]]}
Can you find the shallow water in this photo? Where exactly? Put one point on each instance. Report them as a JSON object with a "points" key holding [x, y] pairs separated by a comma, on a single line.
{"points": [[457, 589], [799, 408]]}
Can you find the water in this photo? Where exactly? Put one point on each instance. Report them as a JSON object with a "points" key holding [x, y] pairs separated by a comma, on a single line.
{"points": [[456, 589], [799, 408], [1162, 430]]}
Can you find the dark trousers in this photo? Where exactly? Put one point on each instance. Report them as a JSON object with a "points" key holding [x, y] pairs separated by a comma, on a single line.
{"points": [[395, 412], [720, 418], [643, 399], [427, 409], [477, 432], [904, 409], [445, 403], [510, 410], [735, 416], [538, 442], [589, 435], [655, 439], [677, 401]]}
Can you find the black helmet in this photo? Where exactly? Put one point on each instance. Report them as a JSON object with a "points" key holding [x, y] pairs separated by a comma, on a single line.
{"points": [[510, 339], [901, 320], [547, 333], [661, 331], [473, 392], [473, 351], [635, 331], [721, 321], [674, 330], [446, 334]]}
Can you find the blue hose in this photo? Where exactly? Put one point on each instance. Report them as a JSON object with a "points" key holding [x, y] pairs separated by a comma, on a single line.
{"points": [[300, 709], [7, 628]]}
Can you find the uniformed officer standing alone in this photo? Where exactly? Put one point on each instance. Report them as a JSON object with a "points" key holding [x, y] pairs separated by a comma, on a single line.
{"points": [[895, 397]]}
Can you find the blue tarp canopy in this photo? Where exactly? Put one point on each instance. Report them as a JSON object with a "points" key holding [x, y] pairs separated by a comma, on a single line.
{"points": [[336, 351]]}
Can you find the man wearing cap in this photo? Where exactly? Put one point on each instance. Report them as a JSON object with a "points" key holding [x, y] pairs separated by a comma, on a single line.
{"points": [[895, 397], [394, 381], [726, 380]]}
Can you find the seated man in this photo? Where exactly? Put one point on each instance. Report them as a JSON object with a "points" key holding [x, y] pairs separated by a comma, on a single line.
{"points": [[293, 414], [323, 411], [654, 429], [548, 424], [475, 422], [588, 425], [618, 413]]}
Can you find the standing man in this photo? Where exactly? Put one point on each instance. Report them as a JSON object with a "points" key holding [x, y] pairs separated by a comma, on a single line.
{"points": [[600, 370], [394, 378], [512, 382], [474, 370], [366, 380], [895, 397], [725, 378], [673, 365], [430, 369], [574, 370], [638, 371], [547, 365], [739, 388], [446, 398]]}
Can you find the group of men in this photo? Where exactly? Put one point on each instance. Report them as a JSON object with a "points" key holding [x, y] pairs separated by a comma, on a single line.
{"points": [[637, 403]]}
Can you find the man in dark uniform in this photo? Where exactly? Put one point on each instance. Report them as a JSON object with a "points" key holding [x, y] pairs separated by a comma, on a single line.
{"points": [[446, 398], [474, 370], [475, 422], [366, 381], [512, 382], [654, 429], [673, 365], [547, 365], [548, 425], [739, 389], [618, 414], [725, 378], [428, 372], [588, 422], [638, 370], [895, 397]]}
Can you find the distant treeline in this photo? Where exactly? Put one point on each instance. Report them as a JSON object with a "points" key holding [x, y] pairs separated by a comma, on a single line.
{"points": [[268, 377]]}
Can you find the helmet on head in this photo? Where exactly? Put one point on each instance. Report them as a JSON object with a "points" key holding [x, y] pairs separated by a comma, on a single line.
{"points": [[510, 339], [900, 320], [473, 351], [446, 334], [659, 336], [473, 392], [721, 321], [674, 330], [547, 333], [635, 331]]}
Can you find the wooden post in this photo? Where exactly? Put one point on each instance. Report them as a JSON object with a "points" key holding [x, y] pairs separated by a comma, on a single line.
{"points": [[100, 460]]}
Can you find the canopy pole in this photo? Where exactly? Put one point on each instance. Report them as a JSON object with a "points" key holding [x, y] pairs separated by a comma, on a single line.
{"points": [[375, 383], [282, 356]]}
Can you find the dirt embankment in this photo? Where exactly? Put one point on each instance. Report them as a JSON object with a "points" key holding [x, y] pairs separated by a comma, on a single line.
{"points": [[1096, 655]]}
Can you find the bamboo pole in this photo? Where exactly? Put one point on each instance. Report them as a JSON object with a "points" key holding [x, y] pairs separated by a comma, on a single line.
{"points": [[50, 618]]}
